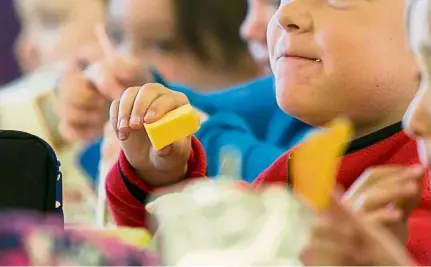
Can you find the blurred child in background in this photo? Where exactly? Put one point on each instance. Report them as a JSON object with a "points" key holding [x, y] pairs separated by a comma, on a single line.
{"points": [[52, 32], [8, 68]]}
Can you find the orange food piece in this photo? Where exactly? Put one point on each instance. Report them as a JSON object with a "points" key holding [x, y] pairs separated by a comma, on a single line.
{"points": [[315, 162]]}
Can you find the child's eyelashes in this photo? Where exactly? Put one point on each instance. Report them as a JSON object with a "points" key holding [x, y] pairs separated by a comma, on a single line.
{"points": [[51, 21], [332, 3], [116, 36], [275, 3], [342, 3]]}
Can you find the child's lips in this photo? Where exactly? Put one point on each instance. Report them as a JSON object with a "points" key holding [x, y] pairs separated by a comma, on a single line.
{"points": [[297, 70], [294, 62], [289, 58]]}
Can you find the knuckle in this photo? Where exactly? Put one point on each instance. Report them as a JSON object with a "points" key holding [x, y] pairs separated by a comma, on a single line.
{"points": [[181, 97], [153, 87], [129, 91]]}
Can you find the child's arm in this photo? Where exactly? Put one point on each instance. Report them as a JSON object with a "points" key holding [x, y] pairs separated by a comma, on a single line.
{"points": [[127, 194], [228, 130]]}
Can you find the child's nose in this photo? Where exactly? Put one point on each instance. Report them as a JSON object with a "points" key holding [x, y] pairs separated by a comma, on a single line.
{"points": [[294, 17], [254, 29], [417, 121], [26, 54]]}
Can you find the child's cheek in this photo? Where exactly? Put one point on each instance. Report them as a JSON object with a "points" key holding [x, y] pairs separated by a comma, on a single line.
{"points": [[273, 34]]}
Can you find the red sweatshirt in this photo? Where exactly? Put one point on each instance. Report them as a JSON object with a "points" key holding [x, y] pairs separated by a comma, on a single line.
{"points": [[127, 194]]}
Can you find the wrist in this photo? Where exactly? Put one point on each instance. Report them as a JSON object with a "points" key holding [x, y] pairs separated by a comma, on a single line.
{"points": [[163, 178]]}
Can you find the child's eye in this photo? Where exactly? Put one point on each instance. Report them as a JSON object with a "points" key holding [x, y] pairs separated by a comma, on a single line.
{"points": [[51, 21], [341, 3], [164, 45], [116, 35], [275, 3]]}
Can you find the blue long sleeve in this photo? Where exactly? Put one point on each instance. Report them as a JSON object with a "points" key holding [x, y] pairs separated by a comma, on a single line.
{"points": [[227, 129], [254, 102]]}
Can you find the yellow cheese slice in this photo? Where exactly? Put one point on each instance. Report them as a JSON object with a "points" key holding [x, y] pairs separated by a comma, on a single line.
{"points": [[139, 238], [314, 163], [173, 126]]}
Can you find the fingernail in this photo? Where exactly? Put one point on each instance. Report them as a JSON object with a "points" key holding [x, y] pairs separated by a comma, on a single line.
{"points": [[136, 121], [124, 123], [164, 151], [123, 136], [150, 114]]}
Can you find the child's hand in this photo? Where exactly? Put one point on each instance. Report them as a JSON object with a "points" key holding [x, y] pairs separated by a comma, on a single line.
{"points": [[386, 195], [81, 109], [111, 77], [148, 104], [342, 238], [86, 88]]}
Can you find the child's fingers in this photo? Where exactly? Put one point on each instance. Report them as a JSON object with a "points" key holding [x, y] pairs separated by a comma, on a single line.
{"points": [[384, 216], [385, 180], [146, 96], [125, 109], [163, 104], [76, 115], [411, 174], [372, 176], [379, 198], [126, 69], [339, 211], [74, 88], [75, 132], [327, 252], [113, 115], [104, 81]]}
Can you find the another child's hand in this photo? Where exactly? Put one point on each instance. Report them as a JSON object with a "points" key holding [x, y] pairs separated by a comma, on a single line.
{"points": [[111, 77], [148, 104], [81, 109], [86, 88], [386, 195], [342, 238]]}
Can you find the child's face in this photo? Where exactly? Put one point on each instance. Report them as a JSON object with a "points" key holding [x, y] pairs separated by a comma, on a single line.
{"points": [[147, 30], [53, 30], [342, 57], [253, 29], [417, 120]]}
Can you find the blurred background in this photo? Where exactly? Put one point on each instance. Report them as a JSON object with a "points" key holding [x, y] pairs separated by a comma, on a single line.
{"points": [[10, 27], [48, 48]]}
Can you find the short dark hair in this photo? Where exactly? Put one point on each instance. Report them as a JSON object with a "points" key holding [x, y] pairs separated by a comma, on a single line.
{"points": [[205, 24]]}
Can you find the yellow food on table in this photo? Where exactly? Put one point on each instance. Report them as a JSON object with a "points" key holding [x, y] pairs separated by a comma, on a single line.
{"points": [[136, 237], [173, 126]]}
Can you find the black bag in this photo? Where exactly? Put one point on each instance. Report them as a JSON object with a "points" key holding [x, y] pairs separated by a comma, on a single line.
{"points": [[30, 177]]}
